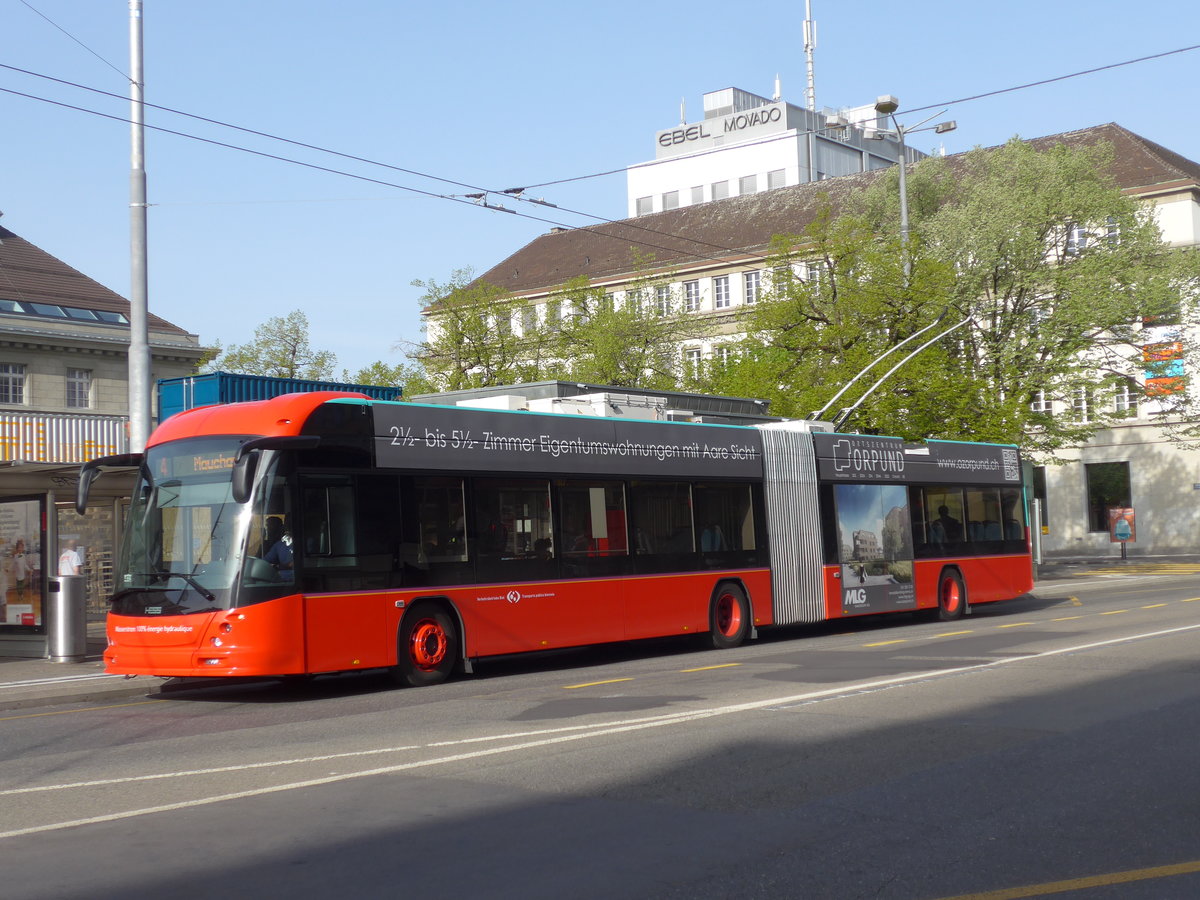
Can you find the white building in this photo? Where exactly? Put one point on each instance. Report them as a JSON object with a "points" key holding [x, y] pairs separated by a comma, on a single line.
{"points": [[746, 143]]}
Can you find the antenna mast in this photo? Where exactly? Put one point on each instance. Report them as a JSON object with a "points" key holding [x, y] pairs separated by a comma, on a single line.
{"points": [[810, 44]]}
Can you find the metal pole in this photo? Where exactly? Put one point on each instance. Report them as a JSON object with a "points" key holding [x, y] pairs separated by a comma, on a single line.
{"points": [[903, 205], [810, 44], [139, 341]]}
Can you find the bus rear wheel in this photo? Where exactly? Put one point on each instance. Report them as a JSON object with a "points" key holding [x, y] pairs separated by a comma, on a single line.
{"points": [[952, 596], [428, 646], [728, 617]]}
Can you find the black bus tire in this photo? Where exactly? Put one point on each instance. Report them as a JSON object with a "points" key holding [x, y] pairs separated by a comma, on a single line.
{"points": [[428, 646], [952, 596], [728, 617]]}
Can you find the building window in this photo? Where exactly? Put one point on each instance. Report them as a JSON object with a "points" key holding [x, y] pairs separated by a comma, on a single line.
{"points": [[1039, 402], [691, 296], [662, 300], [776, 179], [504, 323], [747, 184], [1081, 405], [698, 194], [12, 383], [671, 200], [723, 355], [1125, 398], [691, 360], [528, 319], [635, 299], [554, 314], [721, 292], [79, 388], [645, 205], [752, 282], [1107, 488], [720, 190], [1077, 239], [1112, 231]]}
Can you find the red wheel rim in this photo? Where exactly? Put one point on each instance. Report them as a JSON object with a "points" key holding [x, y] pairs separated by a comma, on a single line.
{"points": [[427, 644], [729, 615], [950, 595]]}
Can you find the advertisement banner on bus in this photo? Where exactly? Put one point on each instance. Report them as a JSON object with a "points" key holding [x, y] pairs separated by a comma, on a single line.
{"points": [[452, 439], [855, 457]]}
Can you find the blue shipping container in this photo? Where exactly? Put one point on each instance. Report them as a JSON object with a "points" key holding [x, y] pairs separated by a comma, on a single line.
{"points": [[177, 394]]}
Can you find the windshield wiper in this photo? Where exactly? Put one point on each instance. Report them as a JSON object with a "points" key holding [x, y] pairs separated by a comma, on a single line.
{"points": [[200, 589]]}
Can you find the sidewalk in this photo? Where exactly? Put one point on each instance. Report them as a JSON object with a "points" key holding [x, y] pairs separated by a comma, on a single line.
{"points": [[26, 683]]}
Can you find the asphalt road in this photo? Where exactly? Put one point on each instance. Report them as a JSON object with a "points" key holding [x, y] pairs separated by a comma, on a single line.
{"points": [[1040, 745]]}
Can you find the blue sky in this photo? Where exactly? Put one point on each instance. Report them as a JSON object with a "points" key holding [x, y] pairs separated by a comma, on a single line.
{"points": [[492, 95]]}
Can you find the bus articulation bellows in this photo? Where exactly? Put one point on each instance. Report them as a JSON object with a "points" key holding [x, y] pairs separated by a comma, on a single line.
{"points": [[327, 532]]}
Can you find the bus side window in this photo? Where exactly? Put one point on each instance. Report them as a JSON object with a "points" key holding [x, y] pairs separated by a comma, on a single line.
{"points": [[662, 517], [946, 529], [593, 518]]}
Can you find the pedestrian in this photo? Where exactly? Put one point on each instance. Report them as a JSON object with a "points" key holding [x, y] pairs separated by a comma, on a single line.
{"points": [[70, 562]]}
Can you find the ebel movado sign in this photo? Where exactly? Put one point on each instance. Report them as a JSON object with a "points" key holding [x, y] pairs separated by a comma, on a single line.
{"points": [[439, 438], [853, 457], [736, 126]]}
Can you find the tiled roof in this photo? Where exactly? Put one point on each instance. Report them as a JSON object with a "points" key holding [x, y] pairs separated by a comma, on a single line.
{"points": [[722, 231], [29, 273]]}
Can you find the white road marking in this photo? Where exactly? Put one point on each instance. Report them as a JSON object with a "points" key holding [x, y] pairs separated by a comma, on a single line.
{"points": [[582, 732]]}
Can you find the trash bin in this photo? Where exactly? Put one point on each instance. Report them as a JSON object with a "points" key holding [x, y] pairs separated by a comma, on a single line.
{"points": [[67, 620]]}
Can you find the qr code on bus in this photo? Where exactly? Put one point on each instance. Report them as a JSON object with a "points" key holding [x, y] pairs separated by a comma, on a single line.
{"points": [[1011, 472]]}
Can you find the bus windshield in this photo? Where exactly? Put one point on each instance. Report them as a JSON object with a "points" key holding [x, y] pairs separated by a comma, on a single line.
{"points": [[184, 532]]}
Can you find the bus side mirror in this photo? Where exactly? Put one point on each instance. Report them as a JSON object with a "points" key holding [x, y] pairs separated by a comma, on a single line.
{"points": [[91, 470], [243, 476], [246, 463]]}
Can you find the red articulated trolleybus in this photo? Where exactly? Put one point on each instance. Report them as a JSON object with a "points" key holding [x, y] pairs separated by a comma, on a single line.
{"points": [[327, 532]]}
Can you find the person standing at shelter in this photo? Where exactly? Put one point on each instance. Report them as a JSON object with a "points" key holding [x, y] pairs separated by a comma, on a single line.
{"points": [[70, 561], [20, 569]]}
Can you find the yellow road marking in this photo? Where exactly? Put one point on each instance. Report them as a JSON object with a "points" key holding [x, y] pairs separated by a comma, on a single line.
{"points": [[1153, 605], [706, 668], [1014, 624], [1114, 612], [1075, 601], [65, 712], [1080, 884], [953, 633], [1190, 600], [885, 643], [1066, 618], [571, 687]]}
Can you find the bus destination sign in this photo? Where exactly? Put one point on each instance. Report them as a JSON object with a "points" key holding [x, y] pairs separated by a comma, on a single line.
{"points": [[454, 439], [857, 457]]}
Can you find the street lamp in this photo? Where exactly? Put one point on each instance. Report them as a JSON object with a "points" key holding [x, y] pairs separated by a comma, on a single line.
{"points": [[887, 106]]}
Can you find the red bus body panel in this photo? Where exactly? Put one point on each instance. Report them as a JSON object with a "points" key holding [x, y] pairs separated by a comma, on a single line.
{"points": [[987, 579], [333, 632]]}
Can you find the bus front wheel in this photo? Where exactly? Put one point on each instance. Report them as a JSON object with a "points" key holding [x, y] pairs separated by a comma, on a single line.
{"points": [[729, 617], [952, 596], [428, 646]]}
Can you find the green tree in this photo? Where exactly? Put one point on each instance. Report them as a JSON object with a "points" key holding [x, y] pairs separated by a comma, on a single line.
{"points": [[1055, 270], [280, 349], [471, 341], [411, 379], [631, 341]]}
